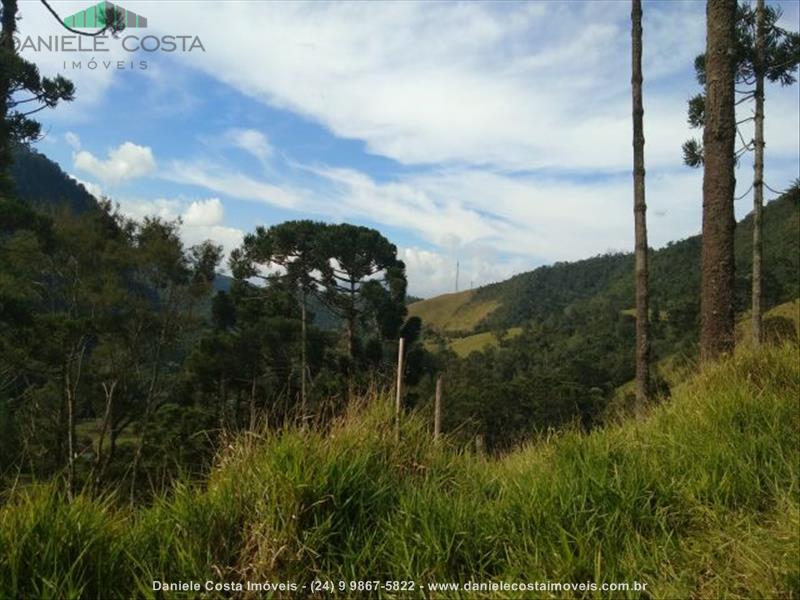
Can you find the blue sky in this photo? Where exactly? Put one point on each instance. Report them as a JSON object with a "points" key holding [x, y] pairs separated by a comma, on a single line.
{"points": [[494, 134]]}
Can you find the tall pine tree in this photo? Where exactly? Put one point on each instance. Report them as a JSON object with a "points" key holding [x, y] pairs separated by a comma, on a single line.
{"points": [[716, 306], [640, 213]]}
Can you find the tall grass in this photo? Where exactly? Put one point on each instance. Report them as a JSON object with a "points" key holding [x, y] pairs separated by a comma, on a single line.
{"points": [[698, 499]]}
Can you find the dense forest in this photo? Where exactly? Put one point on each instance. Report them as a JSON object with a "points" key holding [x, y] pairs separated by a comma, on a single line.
{"points": [[134, 362]]}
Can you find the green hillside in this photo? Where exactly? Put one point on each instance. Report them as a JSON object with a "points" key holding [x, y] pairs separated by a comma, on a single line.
{"points": [[781, 324], [488, 339], [573, 356], [697, 499], [674, 276], [40, 181], [453, 313]]}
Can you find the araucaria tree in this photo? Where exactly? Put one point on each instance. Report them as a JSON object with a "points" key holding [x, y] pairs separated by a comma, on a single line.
{"points": [[350, 273], [295, 248], [763, 52], [775, 57], [640, 212], [716, 306], [364, 275]]}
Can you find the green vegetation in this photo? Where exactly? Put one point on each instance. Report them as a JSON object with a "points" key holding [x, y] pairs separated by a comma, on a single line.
{"points": [[699, 498], [480, 341], [453, 313], [782, 324], [574, 356], [160, 422], [120, 369], [675, 279], [41, 182]]}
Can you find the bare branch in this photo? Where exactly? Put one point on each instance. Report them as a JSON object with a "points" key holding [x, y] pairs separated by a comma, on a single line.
{"points": [[107, 27]]}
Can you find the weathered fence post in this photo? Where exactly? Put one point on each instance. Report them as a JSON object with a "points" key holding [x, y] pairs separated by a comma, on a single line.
{"points": [[437, 410], [480, 450], [399, 400]]}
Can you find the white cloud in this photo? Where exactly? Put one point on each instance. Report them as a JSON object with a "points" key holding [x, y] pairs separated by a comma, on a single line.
{"points": [[125, 162], [227, 237], [517, 86], [163, 208], [200, 220], [231, 183], [251, 141], [73, 140], [430, 273], [94, 189], [204, 213], [494, 223]]}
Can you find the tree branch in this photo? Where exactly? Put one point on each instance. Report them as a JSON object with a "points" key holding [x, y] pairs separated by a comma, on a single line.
{"points": [[112, 27]]}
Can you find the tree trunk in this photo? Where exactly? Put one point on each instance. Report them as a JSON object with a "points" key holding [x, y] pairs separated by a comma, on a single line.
{"points": [[758, 178], [640, 214], [717, 332], [398, 406], [253, 403], [224, 416], [148, 408], [70, 404], [9, 27], [303, 357], [108, 390], [112, 450], [71, 390], [351, 322], [351, 342]]}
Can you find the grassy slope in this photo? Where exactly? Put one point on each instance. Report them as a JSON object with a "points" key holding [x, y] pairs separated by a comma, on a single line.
{"points": [[478, 341], [674, 370], [456, 312], [699, 498]]}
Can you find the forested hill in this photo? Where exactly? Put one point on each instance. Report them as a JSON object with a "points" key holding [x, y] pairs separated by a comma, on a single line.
{"points": [[674, 278], [39, 180]]}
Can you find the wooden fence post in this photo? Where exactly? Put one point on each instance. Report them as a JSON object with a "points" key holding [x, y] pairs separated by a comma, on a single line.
{"points": [[399, 400], [479, 446], [437, 410]]}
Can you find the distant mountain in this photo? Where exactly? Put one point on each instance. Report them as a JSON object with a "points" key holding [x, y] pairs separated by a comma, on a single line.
{"points": [[40, 181], [674, 280]]}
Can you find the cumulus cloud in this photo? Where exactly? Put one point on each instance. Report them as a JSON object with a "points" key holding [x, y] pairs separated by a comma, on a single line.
{"points": [[200, 219], [251, 141], [163, 208], [125, 162], [430, 272], [512, 86], [204, 213]]}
